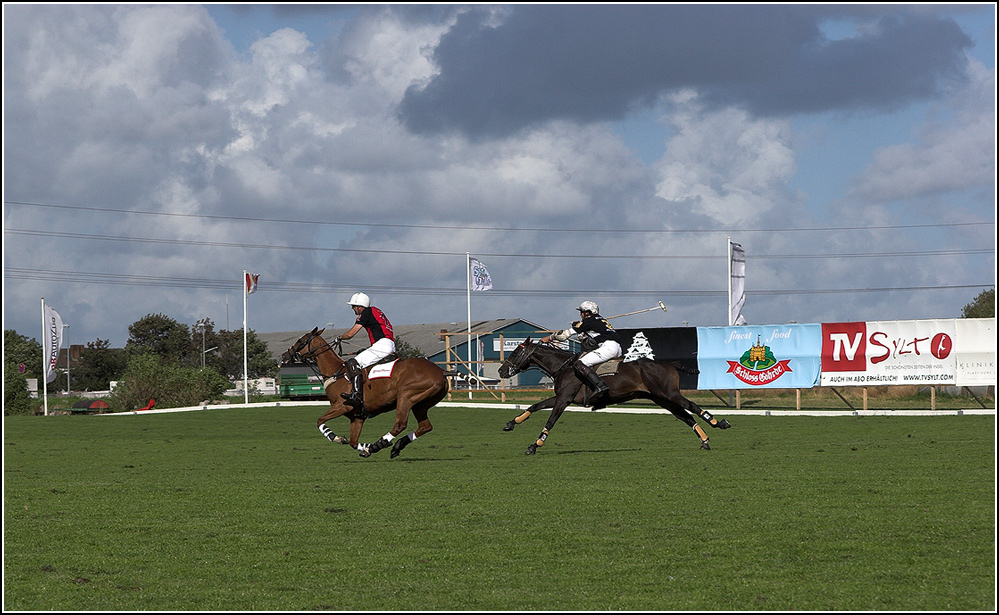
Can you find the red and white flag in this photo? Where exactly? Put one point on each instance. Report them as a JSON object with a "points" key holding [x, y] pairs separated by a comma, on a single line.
{"points": [[251, 282]]}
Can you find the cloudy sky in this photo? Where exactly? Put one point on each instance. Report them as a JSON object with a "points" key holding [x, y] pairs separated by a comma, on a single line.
{"points": [[154, 152]]}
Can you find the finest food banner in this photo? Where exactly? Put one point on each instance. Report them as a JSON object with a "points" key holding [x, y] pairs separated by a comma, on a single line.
{"points": [[773, 356]]}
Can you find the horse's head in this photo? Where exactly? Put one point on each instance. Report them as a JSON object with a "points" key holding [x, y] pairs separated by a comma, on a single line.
{"points": [[303, 345], [519, 359]]}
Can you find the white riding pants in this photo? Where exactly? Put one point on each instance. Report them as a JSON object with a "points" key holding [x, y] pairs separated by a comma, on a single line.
{"points": [[378, 351], [601, 354]]}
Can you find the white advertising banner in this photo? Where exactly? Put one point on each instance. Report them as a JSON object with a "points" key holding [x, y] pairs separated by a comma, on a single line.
{"points": [[875, 353], [975, 348], [51, 340]]}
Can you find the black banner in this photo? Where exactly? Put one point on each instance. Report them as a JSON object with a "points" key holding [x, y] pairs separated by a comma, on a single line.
{"points": [[664, 344]]}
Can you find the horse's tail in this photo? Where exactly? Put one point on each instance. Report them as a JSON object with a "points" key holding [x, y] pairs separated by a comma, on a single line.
{"points": [[683, 368]]}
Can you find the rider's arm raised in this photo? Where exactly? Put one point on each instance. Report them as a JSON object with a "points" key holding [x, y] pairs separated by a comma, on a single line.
{"points": [[560, 336]]}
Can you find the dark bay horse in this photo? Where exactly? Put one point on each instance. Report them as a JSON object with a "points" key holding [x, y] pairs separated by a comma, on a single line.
{"points": [[416, 385], [641, 379]]}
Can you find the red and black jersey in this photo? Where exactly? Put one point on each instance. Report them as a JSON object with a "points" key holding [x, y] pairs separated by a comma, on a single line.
{"points": [[376, 324]]}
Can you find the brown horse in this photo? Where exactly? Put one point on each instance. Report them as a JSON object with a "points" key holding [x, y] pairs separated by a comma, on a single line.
{"points": [[416, 385], [641, 379]]}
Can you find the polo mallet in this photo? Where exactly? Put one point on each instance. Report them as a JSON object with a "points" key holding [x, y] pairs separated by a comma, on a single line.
{"points": [[661, 306]]}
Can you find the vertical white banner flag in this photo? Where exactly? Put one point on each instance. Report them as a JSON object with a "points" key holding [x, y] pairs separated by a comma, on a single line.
{"points": [[52, 340], [480, 276], [737, 284]]}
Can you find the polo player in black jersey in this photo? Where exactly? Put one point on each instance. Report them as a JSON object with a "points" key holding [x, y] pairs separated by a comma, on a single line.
{"points": [[594, 327]]}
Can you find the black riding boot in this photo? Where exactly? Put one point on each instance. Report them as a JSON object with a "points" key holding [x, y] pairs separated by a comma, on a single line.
{"points": [[590, 377], [356, 376]]}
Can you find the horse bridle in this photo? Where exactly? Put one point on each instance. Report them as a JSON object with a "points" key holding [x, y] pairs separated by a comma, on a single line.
{"points": [[310, 357], [521, 364]]}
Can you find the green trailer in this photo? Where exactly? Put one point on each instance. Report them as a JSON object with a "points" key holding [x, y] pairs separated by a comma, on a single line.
{"points": [[300, 386]]}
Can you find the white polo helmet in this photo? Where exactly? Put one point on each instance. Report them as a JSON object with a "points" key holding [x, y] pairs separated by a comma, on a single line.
{"points": [[589, 306], [359, 299]]}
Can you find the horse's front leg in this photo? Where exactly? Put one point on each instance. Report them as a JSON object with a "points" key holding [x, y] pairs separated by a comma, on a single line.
{"points": [[541, 405], [564, 395], [356, 424], [335, 411]]}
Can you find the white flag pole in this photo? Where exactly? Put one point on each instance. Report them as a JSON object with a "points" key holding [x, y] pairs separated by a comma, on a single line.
{"points": [[468, 296], [246, 390], [45, 380]]}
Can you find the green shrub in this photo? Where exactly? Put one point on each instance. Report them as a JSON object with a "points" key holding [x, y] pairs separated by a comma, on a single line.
{"points": [[171, 385], [15, 391]]}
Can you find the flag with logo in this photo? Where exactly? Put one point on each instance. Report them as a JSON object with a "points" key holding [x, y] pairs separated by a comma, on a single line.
{"points": [[251, 282], [737, 284], [480, 275], [52, 341]]}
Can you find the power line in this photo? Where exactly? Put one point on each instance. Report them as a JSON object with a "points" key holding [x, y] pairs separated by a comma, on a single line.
{"points": [[79, 277], [222, 244], [465, 227]]}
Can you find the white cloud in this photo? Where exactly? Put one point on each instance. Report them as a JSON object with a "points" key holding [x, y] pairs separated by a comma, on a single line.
{"points": [[952, 153], [120, 114], [141, 48], [725, 164], [384, 54]]}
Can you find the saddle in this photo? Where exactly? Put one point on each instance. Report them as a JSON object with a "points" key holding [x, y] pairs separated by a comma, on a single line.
{"points": [[388, 359]]}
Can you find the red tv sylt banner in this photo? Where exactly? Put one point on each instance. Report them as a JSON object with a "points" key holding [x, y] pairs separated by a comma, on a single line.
{"points": [[889, 353]]}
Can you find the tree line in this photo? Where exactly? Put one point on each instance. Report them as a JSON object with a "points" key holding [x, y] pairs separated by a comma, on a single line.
{"points": [[182, 365], [175, 363]]}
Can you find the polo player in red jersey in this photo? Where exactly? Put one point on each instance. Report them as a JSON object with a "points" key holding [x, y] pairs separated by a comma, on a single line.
{"points": [[382, 341]]}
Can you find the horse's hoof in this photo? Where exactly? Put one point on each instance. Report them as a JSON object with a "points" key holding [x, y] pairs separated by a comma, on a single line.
{"points": [[510, 425], [531, 449], [378, 445], [366, 452], [397, 448], [723, 424], [704, 446]]}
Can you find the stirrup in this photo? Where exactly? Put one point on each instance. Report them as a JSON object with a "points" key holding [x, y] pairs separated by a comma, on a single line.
{"points": [[352, 400]]}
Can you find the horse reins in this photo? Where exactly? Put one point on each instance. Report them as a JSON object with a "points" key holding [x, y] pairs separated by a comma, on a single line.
{"points": [[310, 358], [526, 360]]}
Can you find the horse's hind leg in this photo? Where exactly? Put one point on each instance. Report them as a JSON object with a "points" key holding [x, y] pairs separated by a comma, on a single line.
{"points": [[693, 408], [423, 427], [401, 419], [680, 413]]}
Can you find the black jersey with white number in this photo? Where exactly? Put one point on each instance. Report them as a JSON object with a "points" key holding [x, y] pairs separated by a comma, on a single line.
{"points": [[596, 327]]}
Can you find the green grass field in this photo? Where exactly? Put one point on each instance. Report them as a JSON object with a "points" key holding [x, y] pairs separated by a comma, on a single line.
{"points": [[251, 509]]}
